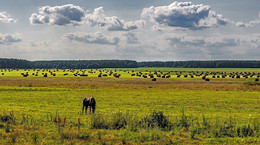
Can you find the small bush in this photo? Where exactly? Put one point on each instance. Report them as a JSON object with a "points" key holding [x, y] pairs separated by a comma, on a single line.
{"points": [[226, 129], [183, 122], [118, 121], [205, 123], [157, 119], [143, 136], [98, 121], [132, 121], [83, 136], [67, 135], [244, 131], [8, 118], [155, 134]]}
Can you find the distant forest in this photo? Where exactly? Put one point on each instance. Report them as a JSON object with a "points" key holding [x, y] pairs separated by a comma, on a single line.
{"points": [[93, 64]]}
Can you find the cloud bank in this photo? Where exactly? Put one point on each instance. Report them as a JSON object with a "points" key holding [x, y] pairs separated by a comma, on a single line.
{"points": [[98, 18], [249, 24], [96, 38], [58, 15], [75, 15], [5, 18], [10, 38], [184, 15]]}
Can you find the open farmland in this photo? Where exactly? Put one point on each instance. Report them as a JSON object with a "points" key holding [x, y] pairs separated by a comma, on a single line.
{"points": [[201, 106]]}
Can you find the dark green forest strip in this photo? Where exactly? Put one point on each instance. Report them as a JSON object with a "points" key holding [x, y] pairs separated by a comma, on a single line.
{"points": [[6, 63]]}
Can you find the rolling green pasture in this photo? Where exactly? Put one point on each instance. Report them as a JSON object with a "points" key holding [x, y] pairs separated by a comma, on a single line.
{"points": [[35, 103]]}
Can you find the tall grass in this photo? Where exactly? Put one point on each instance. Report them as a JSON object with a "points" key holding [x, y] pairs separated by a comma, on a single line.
{"points": [[155, 127], [188, 123]]}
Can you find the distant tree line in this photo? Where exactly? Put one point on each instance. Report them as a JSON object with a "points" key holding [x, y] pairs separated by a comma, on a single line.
{"points": [[93, 64], [85, 64], [203, 64], [15, 63], [67, 64]]}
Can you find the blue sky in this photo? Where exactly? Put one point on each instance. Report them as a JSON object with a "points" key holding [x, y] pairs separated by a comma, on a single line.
{"points": [[141, 30]]}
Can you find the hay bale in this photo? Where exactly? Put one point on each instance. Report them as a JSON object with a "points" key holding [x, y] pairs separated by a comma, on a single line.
{"points": [[154, 79]]}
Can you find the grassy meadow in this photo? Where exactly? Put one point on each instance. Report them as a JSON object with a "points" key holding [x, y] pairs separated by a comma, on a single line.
{"points": [[45, 106]]}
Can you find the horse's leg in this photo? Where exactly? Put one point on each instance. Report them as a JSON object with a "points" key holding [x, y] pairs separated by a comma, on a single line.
{"points": [[83, 109], [90, 109], [93, 109], [86, 109]]}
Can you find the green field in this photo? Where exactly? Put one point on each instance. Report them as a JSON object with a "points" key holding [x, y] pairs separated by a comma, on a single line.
{"points": [[48, 110]]}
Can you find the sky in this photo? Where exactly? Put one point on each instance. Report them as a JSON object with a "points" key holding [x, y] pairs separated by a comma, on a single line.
{"points": [[142, 30]]}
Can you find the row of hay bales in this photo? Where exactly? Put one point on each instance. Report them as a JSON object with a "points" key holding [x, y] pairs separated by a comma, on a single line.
{"points": [[205, 75]]}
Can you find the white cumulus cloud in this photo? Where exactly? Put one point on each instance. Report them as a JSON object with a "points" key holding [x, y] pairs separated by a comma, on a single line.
{"points": [[5, 18], [113, 23], [58, 15], [250, 23], [76, 15], [9, 38], [94, 38], [184, 15]]}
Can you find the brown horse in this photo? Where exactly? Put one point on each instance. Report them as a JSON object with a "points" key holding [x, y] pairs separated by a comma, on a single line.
{"points": [[91, 102]]}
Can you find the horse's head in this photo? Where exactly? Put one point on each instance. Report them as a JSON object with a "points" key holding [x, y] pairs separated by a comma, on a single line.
{"points": [[92, 100]]}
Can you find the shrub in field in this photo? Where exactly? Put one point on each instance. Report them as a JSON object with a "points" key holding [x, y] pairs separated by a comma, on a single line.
{"points": [[205, 123], [183, 121], [118, 121], [198, 128], [157, 119], [155, 134], [132, 121], [98, 121], [143, 136], [224, 129], [7, 128], [8, 118], [256, 127], [244, 131], [83, 136]]}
